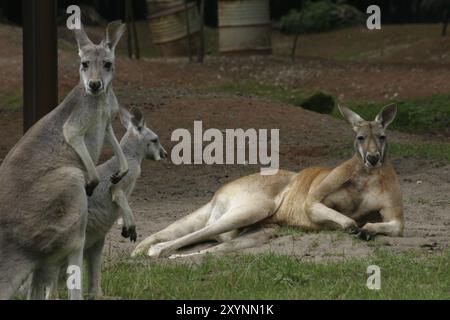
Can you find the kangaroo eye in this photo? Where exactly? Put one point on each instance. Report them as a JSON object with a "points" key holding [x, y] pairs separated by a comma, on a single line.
{"points": [[360, 138], [154, 140], [107, 65], [85, 64]]}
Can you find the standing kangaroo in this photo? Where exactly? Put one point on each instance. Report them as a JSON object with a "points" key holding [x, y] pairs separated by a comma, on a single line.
{"points": [[45, 177], [314, 199], [110, 202]]}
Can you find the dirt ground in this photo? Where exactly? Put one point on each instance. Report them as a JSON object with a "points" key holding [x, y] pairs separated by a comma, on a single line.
{"points": [[170, 96]]}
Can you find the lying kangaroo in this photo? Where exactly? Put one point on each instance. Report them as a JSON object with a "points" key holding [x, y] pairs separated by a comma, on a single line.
{"points": [[45, 177], [314, 198], [109, 201]]}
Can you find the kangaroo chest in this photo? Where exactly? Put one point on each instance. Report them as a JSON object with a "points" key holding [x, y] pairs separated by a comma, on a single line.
{"points": [[95, 135], [357, 196]]}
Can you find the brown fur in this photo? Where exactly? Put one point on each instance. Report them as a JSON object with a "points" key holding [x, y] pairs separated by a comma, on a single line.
{"points": [[316, 198]]}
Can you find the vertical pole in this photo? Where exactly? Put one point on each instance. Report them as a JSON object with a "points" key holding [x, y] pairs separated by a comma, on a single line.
{"points": [[128, 24], [201, 49], [444, 26], [188, 29], [135, 36], [294, 46], [40, 60]]}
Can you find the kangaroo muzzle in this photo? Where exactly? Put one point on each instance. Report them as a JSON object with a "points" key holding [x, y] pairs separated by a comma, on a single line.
{"points": [[95, 86], [373, 159]]}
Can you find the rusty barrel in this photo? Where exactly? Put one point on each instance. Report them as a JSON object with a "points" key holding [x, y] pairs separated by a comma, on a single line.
{"points": [[155, 6], [169, 30], [244, 26]]}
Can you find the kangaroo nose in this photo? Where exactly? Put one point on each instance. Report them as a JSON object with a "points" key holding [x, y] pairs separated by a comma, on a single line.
{"points": [[163, 154], [95, 85], [373, 159]]}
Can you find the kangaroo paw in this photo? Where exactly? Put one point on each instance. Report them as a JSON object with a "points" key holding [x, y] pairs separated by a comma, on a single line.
{"points": [[115, 178], [365, 235], [125, 233], [90, 187], [352, 229], [133, 234], [129, 232]]}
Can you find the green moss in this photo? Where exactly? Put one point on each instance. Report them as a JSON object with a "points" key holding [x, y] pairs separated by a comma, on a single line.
{"points": [[11, 100]]}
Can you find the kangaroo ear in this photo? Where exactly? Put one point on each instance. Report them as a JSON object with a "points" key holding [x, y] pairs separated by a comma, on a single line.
{"points": [[387, 115], [125, 117], [114, 31], [352, 117], [137, 118], [82, 38]]}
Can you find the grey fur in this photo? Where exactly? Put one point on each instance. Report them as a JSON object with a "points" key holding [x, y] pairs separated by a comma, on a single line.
{"points": [[110, 202], [43, 203]]}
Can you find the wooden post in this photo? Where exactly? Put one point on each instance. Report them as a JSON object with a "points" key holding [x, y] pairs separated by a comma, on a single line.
{"points": [[188, 29], [40, 60], [445, 23], [132, 38], [128, 24], [201, 49], [294, 46]]}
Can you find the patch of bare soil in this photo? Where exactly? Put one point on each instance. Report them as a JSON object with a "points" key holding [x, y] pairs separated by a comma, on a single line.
{"points": [[347, 80], [167, 192]]}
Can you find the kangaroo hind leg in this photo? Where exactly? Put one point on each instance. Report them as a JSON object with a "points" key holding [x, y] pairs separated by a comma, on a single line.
{"points": [[247, 239], [190, 223], [236, 217]]}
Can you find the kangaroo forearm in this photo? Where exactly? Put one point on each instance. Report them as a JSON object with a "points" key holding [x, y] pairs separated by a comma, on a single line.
{"points": [[77, 143], [321, 214], [121, 200], [112, 140]]}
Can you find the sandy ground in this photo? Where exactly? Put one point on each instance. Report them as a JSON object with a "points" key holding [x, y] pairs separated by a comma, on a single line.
{"points": [[167, 91]]}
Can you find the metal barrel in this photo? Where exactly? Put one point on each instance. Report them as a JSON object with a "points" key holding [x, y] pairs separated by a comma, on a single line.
{"points": [[244, 25], [155, 6], [170, 24]]}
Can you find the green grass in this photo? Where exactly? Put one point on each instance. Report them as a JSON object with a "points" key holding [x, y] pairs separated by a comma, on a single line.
{"points": [[11, 100], [432, 151], [428, 114], [409, 275], [393, 43], [290, 231], [439, 151], [251, 88]]}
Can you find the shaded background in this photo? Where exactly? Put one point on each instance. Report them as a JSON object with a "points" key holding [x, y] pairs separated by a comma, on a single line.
{"points": [[393, 11]]}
